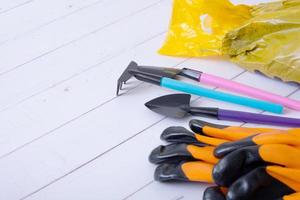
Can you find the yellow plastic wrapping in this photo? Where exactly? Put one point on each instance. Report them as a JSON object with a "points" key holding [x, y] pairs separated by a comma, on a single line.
{"points": [[269, 42], [198, 26], [264, 37]]}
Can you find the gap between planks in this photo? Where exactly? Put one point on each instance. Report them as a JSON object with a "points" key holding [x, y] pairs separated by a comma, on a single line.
{"points": [[107, 151], [80, 73], [49, 22], [80, 38], [140, 189], [14, 7], [73, 119]]}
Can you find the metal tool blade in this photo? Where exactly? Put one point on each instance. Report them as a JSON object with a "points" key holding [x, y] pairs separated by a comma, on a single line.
{"points": [[174, 105], [126, 75]]}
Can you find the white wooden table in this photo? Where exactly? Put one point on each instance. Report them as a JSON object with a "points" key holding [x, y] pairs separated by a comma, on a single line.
{"points": [[63, 132]]}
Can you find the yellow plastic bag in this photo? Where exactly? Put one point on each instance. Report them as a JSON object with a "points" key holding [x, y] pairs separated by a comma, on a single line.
{"points": [[264, 37], [269, 42], [198, 26]]}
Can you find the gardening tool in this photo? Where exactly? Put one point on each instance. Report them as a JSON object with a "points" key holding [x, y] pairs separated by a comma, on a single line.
{"points": [[166, 77], [220, 82], [178, 106]]}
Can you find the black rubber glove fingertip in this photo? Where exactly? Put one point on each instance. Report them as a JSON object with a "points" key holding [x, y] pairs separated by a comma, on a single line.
{"points": [[218, 175], [166, 172], [223, 149], [213, 193], [154, 155]]}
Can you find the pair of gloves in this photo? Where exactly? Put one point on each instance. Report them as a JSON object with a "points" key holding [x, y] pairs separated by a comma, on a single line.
{"points": [[243, 163]]}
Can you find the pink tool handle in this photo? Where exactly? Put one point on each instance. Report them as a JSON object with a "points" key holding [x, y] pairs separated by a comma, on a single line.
{"points": [[248, 90]]}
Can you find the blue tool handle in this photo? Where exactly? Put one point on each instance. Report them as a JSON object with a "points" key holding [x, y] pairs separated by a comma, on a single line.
{"points": [[213, 94]]}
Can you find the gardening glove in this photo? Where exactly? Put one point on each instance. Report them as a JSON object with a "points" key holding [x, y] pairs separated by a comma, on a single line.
{"points": [[190, 156], [218, 193], [196, 162], [205, 133], [265, 166]]}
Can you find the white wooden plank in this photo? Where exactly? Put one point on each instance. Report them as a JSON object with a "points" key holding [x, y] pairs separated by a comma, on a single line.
{"points": [[173, 191], [70, 60], [67, 31], [36, 14], [96, 132], [38, 117], [9, 5], [120, 173]]}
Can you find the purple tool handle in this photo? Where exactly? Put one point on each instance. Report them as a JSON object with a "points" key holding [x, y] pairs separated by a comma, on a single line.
{"points": [[257, 118]]}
